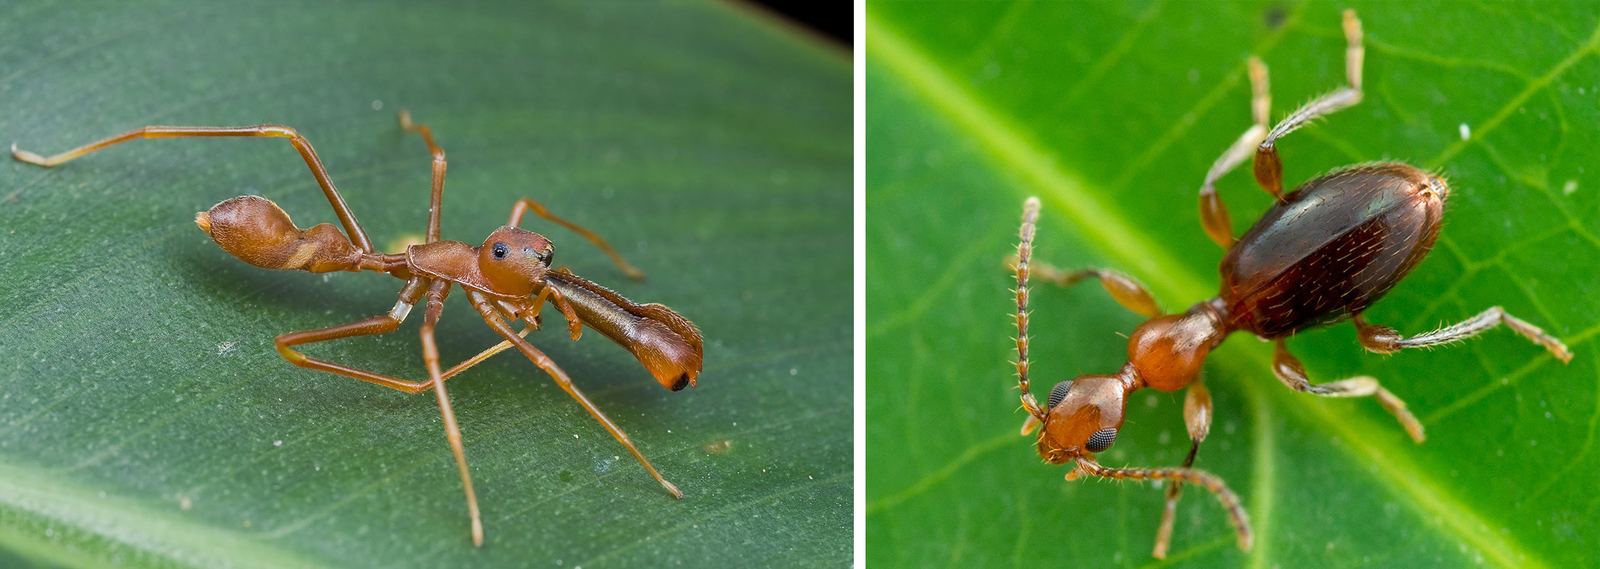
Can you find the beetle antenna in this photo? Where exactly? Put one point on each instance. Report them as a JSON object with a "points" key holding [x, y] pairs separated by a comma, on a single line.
{"points": [[1030, 214]]}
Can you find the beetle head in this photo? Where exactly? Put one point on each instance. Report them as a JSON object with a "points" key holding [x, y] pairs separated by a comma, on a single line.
{"points": [[1082, 416]]}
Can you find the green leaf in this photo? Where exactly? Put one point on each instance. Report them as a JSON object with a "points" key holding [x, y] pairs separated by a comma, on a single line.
{"points": [[1112, 113], [147, 421]]}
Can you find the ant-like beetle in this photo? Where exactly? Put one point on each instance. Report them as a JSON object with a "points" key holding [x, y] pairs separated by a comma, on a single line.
{"points": [[509, 276], [1322, 254]]}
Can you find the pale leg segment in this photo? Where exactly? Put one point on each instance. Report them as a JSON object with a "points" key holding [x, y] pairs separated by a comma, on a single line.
{"points": [[1214, 216], [1268, 167], [1385, 340], [1289, 370]]}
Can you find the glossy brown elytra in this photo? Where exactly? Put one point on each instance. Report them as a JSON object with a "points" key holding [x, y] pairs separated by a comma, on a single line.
{"points": [[509, 277], [1322, 254]]}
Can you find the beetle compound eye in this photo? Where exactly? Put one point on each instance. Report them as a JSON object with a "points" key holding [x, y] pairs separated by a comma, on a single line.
{"points": [[1101, 440], [1058, 393], [500, 250]]}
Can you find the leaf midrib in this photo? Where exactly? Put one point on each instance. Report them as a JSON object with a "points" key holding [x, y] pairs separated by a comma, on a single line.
{"points": [[131, 524], [1115, 239]]}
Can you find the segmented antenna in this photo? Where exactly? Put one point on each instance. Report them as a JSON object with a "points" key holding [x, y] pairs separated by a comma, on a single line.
{"points": [[1230, 501], [1030, 214]]}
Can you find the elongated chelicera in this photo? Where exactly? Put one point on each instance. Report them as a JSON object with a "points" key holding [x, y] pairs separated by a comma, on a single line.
{"points": [[1322, 254]]}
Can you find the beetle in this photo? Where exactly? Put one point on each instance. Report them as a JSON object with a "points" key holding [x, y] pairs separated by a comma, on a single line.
{"points": [[509, 277], [1321, 255]]}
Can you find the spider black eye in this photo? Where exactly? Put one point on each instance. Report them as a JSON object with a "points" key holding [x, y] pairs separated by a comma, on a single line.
{"points": [[500, 250], [1101, 440], [1058, 393]]}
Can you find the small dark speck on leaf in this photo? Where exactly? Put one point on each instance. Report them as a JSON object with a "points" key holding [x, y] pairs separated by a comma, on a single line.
{"points": [[1274, 17]]}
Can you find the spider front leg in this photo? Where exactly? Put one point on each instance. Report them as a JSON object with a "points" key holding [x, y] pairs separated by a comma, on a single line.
{"points": [[430, 357], [524, 205], [486, 309]]}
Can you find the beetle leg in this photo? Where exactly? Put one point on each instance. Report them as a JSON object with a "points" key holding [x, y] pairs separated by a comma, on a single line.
{"points": [[1292, 374], [1268, 168], [1197, 417], [1213, 213], [1126, 290], [1385, 340]]}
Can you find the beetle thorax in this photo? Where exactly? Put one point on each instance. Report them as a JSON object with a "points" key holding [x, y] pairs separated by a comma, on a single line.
{"points": [[1168, 351]]}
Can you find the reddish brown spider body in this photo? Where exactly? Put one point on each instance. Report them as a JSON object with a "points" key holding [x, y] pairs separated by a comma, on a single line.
{"points": [[1322, 254], [509, 277]]}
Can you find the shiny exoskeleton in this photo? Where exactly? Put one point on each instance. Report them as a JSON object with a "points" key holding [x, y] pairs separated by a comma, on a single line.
{"points": [[509, 277], [1321, 255], [1331, 248]]}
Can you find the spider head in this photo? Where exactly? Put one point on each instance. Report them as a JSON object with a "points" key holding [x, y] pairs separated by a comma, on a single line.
{"points": [[515, 260]]}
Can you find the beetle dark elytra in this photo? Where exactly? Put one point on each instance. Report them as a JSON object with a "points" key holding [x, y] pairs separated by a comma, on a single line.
{"points": [[1322, 254]]}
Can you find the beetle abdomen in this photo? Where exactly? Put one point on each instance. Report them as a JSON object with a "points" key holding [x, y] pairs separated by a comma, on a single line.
{"points": [[1332, 248]]}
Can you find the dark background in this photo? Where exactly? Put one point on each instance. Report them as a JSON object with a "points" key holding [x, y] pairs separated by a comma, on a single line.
{"points": [[831, 19]]}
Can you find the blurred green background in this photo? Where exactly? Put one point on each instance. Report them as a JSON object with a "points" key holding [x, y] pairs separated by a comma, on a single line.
{"points": [[146, 420], [1111, 113]]}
